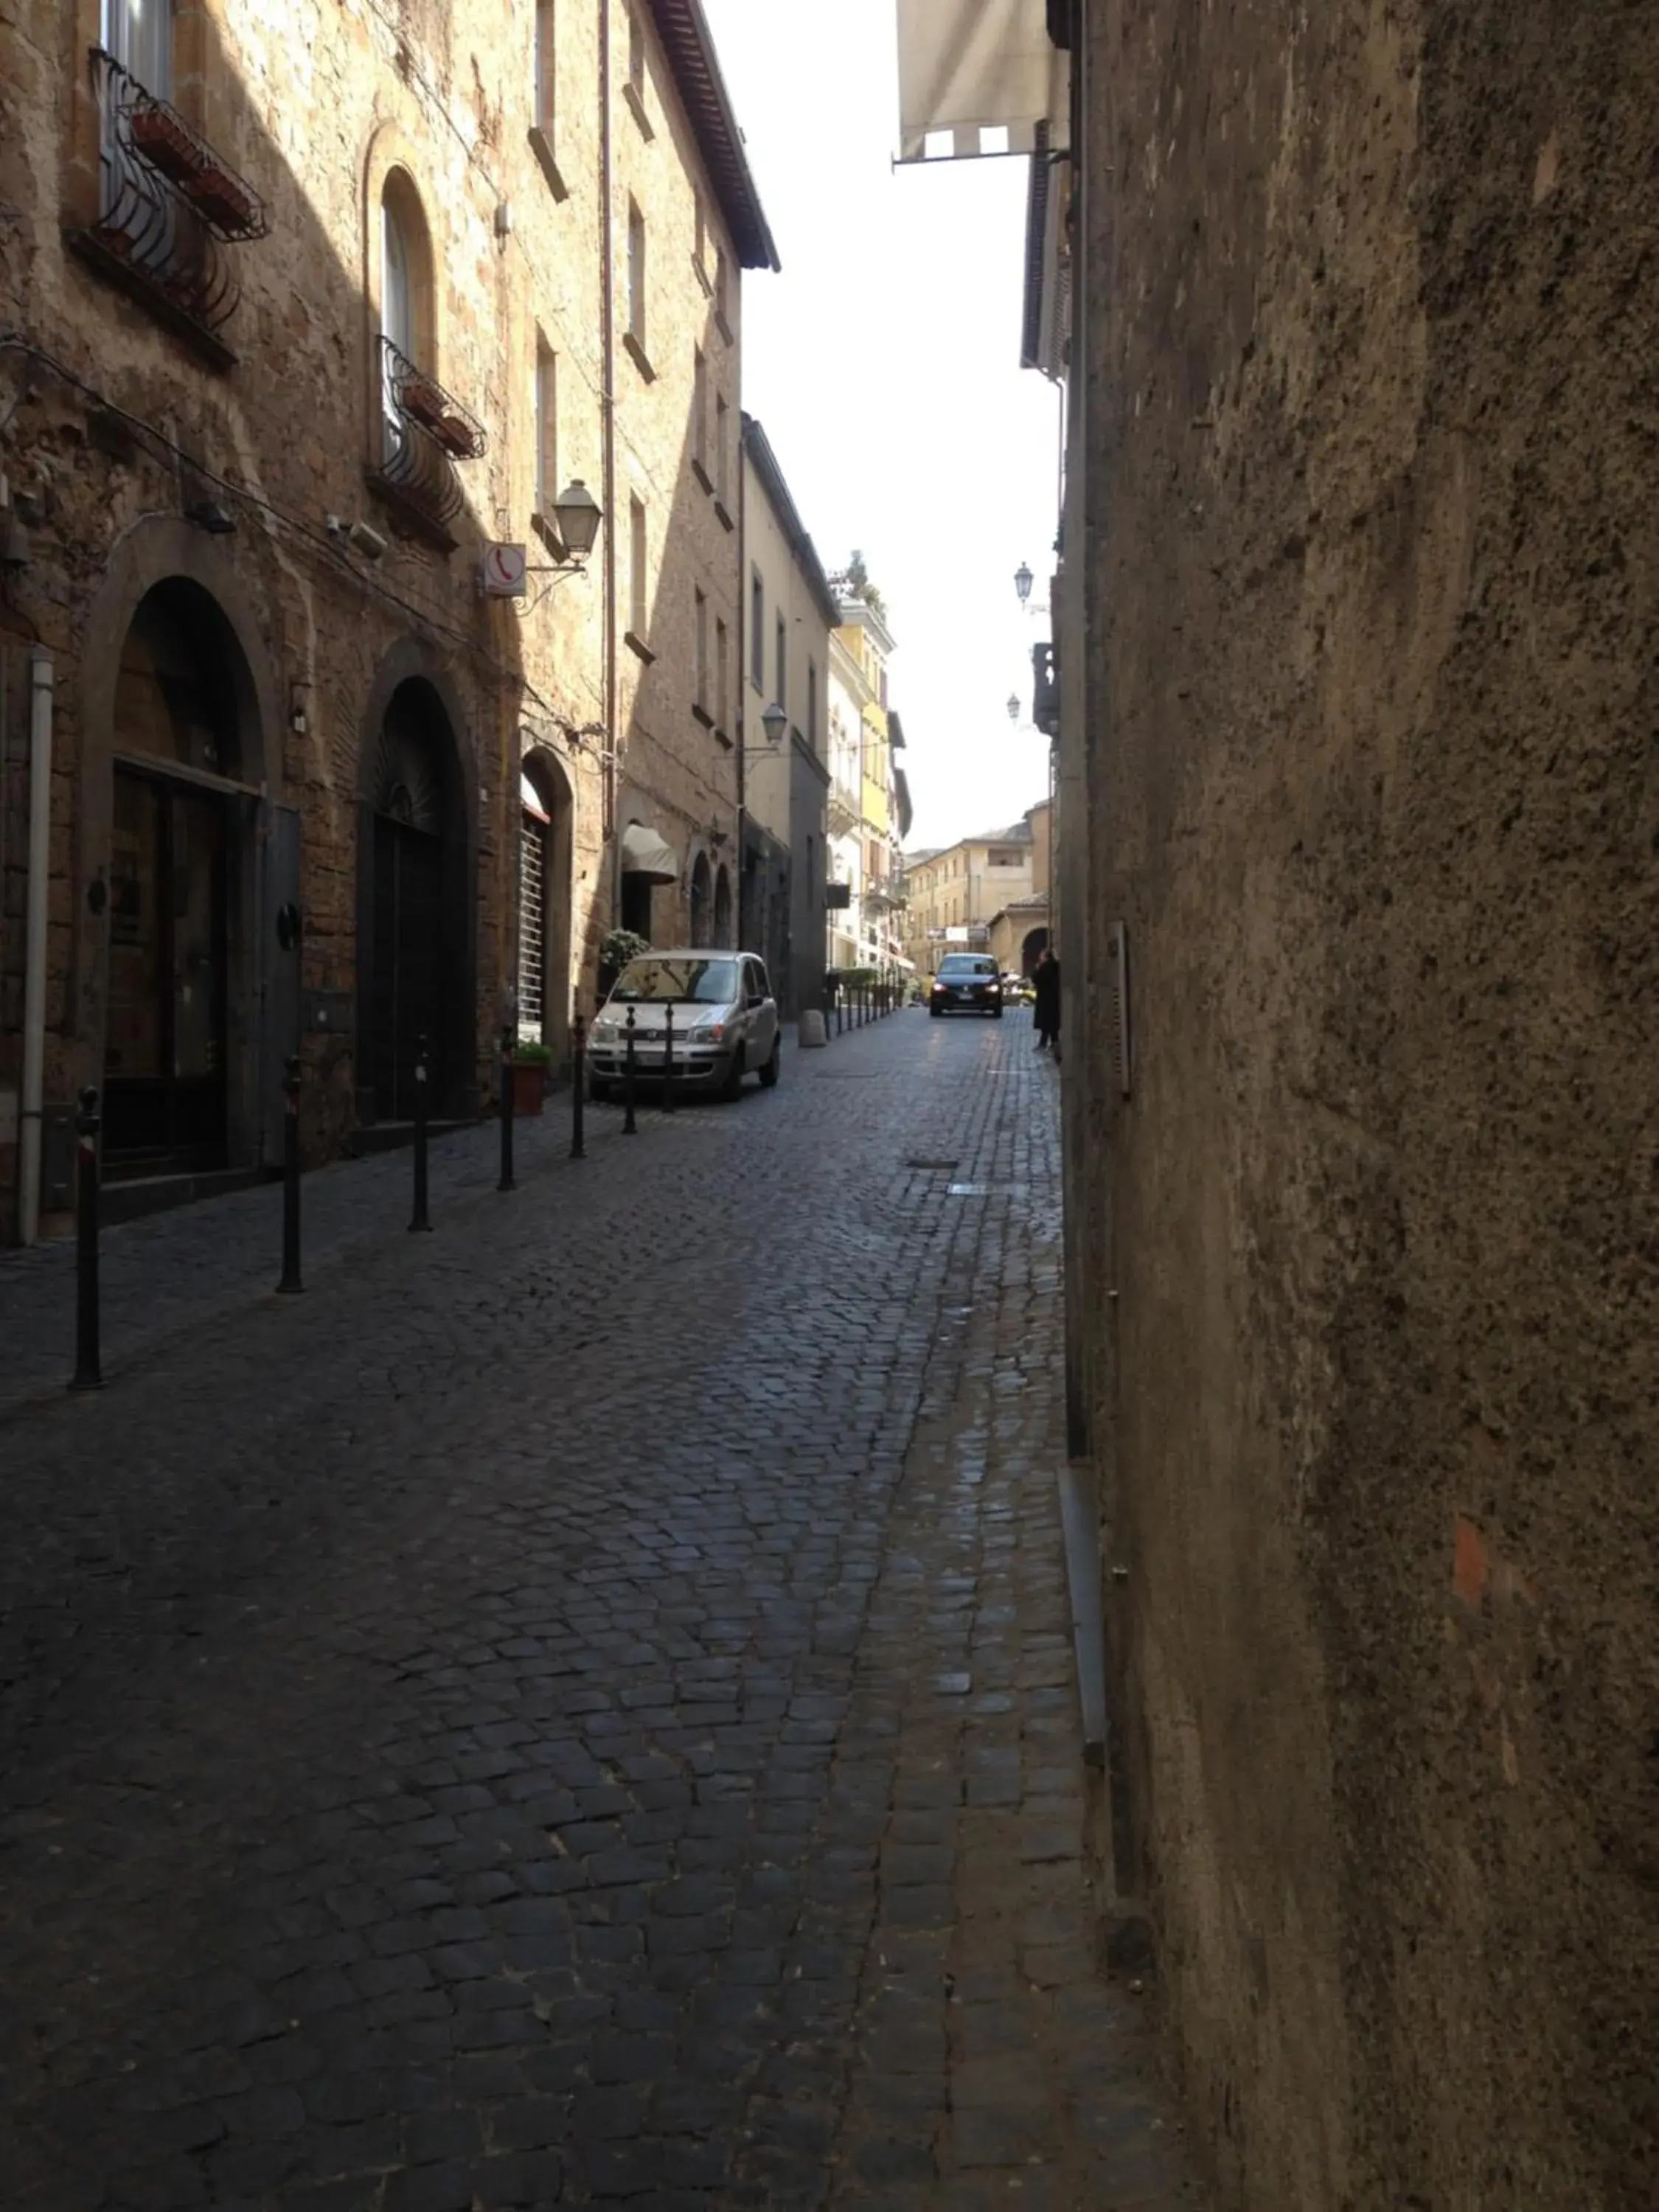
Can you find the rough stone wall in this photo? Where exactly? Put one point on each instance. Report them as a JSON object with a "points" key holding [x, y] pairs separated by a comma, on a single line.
{"points": [[678, 768], [1368, 345], [315, 103]]}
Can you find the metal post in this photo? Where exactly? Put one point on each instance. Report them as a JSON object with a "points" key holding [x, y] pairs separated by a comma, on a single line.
{"points": [[577, 1081], [506, 1181], [419, 1220], [291, 1174], [88, 1373], [668, 1057], [629, 1127]]}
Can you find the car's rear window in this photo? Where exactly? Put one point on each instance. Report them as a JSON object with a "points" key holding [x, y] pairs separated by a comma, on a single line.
{"points": [[962, 964]]}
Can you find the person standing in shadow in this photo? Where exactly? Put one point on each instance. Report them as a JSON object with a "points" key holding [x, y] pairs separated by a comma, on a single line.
{"points": [[1045, 1015]]}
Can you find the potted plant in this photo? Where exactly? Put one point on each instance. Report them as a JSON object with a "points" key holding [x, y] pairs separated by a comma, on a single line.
{"points": [[616, 949], [530, 1062]]}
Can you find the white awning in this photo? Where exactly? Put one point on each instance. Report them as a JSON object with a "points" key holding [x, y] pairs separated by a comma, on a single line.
{"points": [[972, 66], [644, 853]]}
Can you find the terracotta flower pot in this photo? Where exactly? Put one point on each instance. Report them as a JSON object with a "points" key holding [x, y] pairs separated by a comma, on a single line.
{"points": [[529, 1087], [422, 400], [224, 199], [166, 144]]}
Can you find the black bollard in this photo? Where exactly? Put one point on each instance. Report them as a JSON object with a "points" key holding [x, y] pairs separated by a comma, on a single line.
{"points": [[291, 1174], [578, 1080], [506, 1181], [668, 1057], [841, 1014], [88, 1373], [420, 1220], [630, 1128]]}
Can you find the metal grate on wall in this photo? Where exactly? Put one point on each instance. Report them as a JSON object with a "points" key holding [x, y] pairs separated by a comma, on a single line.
{"points": [[533, 924]]}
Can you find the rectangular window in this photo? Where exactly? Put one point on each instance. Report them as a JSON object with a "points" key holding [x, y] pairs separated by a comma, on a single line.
{"points": [[544, 89], [635, 275], [812, 704], [700, 250], [722, 673], [782, 695], [719, 288], [547, 428], [700, 669], [722, 410], [637, 601], [700, 410], [636, 49], [756, 630]]}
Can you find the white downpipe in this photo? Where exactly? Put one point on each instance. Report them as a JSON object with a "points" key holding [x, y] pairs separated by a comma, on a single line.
{"points": [[34, 951]]}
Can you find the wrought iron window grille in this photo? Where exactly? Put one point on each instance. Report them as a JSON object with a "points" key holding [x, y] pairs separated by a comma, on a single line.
{"points": [[169, 205], [424, 432]]}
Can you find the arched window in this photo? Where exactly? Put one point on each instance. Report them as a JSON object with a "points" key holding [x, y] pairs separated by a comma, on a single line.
{"points": [[406, 294], [722, 906]]}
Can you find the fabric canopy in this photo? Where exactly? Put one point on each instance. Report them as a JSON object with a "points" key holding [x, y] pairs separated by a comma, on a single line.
{"points": [[966, 66], [644, 853]]}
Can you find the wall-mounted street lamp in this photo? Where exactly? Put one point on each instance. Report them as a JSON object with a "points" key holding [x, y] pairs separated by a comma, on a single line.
{"points": [[775, 722], [1022, 582], [577, 515], [1013, 706]]}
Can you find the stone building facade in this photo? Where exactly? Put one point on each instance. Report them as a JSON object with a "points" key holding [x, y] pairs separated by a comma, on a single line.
{"points": [[1357, 887], [864, 795], [306, 310], [956, 891], [789, 611]]}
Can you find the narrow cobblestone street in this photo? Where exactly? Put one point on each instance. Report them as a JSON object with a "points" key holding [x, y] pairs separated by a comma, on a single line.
{"points": [[578, 1707]]}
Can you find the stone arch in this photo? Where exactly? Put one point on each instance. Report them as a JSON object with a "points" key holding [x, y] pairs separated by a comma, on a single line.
{"points": [[546, 888], [184, 584], [702, 897], [417, 909]]}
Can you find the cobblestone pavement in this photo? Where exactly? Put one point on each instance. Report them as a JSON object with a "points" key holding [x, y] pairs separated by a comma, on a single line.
{"points": [[579, 1707]]}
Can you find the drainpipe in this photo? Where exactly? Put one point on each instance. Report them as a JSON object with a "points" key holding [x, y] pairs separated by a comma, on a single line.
{"points": [[34, 956], [608, 433]]}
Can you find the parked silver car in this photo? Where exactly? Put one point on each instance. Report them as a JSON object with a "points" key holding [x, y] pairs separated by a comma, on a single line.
{"points": [[725, 1023]]}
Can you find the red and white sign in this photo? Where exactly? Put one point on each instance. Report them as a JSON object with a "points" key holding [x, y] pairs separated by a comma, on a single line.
{"points": [[503, 572]]}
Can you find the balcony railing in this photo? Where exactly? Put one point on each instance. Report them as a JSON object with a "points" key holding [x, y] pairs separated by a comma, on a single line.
{"points": [[844, 809], [424, 432], [169, 206]]}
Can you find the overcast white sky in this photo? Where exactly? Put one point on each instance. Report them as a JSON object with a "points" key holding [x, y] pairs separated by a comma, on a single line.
{"points": [[885, 364]]}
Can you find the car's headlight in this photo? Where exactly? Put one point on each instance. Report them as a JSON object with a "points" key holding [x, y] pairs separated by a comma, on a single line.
{"points": [[708, 1033]]}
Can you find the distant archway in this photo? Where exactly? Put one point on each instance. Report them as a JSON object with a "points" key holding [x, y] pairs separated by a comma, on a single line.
{"points": [[178, 848], [414, 931], [723, 906], [1036, 942], [700, 900]]}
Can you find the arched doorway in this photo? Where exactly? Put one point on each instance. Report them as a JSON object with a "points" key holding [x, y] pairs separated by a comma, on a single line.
{"points": [[700, 890], [723, 906], [1036, 942], [178, 869], [414, 970], [544, 864]]}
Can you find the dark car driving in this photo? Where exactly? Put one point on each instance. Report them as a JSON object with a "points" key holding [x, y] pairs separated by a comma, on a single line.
{"points": [[967, 983]]}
